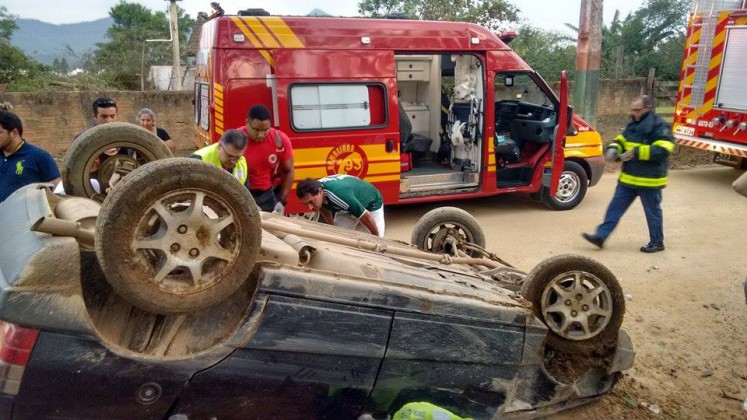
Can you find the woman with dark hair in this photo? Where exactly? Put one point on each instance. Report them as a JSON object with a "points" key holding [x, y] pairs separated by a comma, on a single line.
{"points": [[147, 119]]}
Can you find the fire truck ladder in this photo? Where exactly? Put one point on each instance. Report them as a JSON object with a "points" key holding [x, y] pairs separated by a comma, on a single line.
{"points": [[706, 21]]}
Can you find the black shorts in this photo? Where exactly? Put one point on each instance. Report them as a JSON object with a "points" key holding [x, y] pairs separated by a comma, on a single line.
{"points": [[266, 199]]}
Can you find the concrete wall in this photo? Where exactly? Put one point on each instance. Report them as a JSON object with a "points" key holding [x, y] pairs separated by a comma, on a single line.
{"points": [[615, 95], [51, 119]]}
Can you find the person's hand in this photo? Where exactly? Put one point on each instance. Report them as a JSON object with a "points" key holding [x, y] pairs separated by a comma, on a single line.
{"points": [[279, 208], [630, 154]]}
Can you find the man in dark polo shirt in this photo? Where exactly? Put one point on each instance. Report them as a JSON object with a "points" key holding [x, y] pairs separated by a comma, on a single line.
{"points": [[22, 163], [345, 201]]}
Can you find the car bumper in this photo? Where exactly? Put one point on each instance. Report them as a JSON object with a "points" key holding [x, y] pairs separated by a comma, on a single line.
{"points": [[596, 169]]}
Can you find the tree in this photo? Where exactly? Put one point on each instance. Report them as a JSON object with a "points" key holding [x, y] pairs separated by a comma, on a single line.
{"points": [[15, 65], [548, 52], [649, 37], [488, 13], [122, 59], [7, 24]]}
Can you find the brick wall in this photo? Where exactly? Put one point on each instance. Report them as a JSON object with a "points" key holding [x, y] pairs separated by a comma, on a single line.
{"points": [[51, 119]]}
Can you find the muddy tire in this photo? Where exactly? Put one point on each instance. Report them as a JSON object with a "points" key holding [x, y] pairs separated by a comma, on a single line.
{"points": [[572, 188], [439, 229], [136, 145], [177, 235], [579, 300]]}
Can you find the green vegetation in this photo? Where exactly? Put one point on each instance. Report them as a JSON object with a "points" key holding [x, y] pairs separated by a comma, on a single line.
{"points": [[117, 63], [652, 36], [488, 13], [122, 60]]}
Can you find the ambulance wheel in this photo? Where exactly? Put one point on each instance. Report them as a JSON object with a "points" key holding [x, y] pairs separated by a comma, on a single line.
{"points": [[443, 229], [571, 189], [103, 155], [178, 235], [579, 300]]}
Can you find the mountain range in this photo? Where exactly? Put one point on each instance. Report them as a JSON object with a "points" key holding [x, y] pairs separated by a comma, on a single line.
{"points": [[46, 42]]}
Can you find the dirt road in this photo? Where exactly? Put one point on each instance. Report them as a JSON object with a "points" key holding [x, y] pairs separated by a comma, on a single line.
{"points": [[686, 310]]}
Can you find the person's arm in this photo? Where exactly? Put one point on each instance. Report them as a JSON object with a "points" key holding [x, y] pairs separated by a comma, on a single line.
{"points": [[288, 175], [369, 222], [48, 169], [166, 138], [171, 145], [661, 146], [327, 215]]}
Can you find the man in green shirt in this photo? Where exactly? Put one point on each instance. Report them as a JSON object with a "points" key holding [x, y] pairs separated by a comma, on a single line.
{"points": [[338, 197]]}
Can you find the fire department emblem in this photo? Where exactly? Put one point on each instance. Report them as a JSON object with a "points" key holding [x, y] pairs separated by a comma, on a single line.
{"points": [[272, 159], [347, 159]]}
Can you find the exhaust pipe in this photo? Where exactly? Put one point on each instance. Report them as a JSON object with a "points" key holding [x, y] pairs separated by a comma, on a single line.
{"points": [[58, 227]]}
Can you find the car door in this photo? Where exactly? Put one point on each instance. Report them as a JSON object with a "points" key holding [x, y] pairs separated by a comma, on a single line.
{"points": [[304, 359]]}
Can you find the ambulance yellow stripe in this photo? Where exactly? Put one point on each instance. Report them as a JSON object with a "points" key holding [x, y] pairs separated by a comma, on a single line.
{"points": [[259, 29], [373, 153], [317, 170], [710, 89], [382, 178], [691, 60], [248, 34], [321, 171], [218, 113], [282, 32]]}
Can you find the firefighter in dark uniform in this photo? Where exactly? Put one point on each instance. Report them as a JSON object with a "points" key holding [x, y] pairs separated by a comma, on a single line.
{"points": [[643, 147]]}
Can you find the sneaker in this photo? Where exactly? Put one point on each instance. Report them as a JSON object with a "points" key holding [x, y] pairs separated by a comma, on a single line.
{"points": [[596, 240], [651, 248]]}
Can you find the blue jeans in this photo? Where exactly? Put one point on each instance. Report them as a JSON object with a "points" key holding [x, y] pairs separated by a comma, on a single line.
{"points": [[623, 198]]}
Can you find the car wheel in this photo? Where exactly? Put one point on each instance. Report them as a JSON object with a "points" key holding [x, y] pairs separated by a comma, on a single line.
{"points": [[86, 159], [579, 300], [177, 235], [441, 229], [571, 189]]}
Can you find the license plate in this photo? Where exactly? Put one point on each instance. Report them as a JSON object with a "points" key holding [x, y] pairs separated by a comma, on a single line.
{"points": [[688, 131], [725, 159]]}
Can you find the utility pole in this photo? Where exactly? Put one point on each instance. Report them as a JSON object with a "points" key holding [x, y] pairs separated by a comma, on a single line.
{"points": [[174, 27], [588, 60]]}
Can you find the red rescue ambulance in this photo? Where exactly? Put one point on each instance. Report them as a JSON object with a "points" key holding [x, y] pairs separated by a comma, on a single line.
{"points": [[711, 110], [426, 111]]}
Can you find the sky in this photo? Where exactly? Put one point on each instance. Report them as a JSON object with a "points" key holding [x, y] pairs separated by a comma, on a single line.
{"points": [[547, 14]]}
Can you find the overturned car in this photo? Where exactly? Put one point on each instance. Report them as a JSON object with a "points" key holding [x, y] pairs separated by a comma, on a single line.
{"points": [[176, 298]]}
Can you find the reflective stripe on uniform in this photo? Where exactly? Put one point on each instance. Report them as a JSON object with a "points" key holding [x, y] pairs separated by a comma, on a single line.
{"points": [[638, 181], [664, 144], [626, 144], [210, 155], [644, 153]]}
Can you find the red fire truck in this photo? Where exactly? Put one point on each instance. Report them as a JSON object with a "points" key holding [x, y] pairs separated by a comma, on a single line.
{"points": [[379, 98], [711, 110]]}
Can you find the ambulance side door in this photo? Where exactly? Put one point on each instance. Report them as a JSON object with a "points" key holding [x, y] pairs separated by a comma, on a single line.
{"points": [[339, 108]]}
